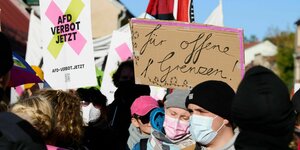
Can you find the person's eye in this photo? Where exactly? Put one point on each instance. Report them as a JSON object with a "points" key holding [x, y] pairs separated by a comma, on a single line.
{"points": [[173, 113], [186, 118]]}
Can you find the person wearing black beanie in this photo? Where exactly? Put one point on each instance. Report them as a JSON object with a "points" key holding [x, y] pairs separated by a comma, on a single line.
{"points": [[5, 55], [263, 111], [5, 66], [296, 104], [211, 123], [296, 101]]}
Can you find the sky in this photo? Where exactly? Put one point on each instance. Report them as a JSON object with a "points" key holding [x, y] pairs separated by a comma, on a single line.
{"points": [[255, 17]]}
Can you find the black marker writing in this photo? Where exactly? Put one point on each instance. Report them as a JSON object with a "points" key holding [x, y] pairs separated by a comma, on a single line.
{"points": [[150, 62], [151, 39], [197, 49], [202, 70]]}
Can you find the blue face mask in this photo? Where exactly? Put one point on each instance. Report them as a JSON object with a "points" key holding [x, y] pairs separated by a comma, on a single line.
{"points": [[201, 129]]}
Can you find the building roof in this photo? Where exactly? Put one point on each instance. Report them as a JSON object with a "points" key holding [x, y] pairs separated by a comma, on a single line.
{"points": [[265, 48], [14, 15], [14, 21], [250, 44]]}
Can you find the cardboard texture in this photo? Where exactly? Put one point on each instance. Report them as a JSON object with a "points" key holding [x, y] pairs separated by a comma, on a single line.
{"points": [[180, 55]]}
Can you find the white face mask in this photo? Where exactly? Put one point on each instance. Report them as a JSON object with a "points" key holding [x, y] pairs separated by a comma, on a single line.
{"points": [[90, 113], [201, 129]]}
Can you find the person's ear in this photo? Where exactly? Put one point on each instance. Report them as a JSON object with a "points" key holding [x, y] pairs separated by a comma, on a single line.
{"points": [[135, 122], [226, 122]]}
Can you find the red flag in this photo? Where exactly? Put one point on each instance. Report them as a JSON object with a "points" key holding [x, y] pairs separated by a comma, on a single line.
{"points": [[185, 11], [161, 9], [181, 10]]}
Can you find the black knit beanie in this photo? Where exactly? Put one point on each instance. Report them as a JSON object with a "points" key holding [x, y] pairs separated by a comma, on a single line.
{"points": [[262, 104], [5, 55], [214, 96], [296, 102]]}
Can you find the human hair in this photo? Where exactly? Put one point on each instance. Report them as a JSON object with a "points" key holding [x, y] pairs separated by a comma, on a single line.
{"points": [[125, 64], [297, 122], [3, 106], [92, 95], [36, 111], [68, 122], [25, 94]]}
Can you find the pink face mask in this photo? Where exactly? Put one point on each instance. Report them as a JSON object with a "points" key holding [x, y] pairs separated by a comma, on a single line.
{"points": [[175, 128]]}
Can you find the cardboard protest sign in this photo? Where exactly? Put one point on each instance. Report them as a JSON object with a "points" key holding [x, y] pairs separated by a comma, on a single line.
{"points": [[180, 55], [67, 43]]}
